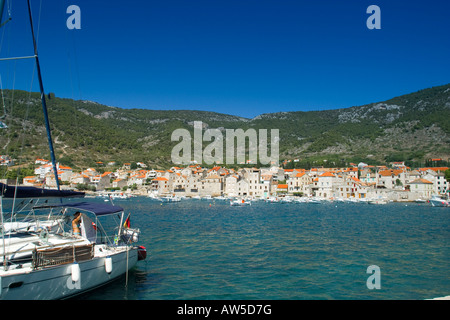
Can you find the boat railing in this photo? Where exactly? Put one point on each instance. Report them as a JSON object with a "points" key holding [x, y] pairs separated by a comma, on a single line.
{"points": [[62, 255], [7, 254]]}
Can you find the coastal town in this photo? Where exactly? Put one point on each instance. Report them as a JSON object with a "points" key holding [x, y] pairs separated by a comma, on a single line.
{"points": [[357, 182]]}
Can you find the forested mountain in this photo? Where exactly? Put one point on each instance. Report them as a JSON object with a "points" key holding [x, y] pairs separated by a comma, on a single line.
{"points": [[412, 127]]}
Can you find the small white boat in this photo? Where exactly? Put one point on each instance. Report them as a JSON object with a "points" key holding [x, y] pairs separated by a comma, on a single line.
{"points": [[286, 200], [272, 200], [119, 196], [438, 201], [220, 198], [377, 201], [239, 203], [170, 199], [301, 200]]}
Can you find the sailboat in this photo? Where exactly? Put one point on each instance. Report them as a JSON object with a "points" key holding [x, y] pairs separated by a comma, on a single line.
{"points": [[53, 249], [48, 260]]}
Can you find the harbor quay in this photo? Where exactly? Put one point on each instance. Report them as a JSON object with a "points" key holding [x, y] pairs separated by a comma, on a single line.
{"points": [[356, 182]]}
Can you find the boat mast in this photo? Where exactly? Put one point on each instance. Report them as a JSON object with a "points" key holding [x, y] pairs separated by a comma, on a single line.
{"points": [[2, 6], [44, 104]]}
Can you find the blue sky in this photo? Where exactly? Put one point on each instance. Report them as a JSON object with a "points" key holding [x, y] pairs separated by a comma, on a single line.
{"points": [[241, 57]]}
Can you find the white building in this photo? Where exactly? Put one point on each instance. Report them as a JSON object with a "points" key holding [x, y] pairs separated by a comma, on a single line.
{"points": [[192, 185], [440, 184], [242, 188], [391, 178], [422, 187], [161, 186], [299, 183], [325, 185], [42, 170], [212, 186], [231, 186], [349, 187]]}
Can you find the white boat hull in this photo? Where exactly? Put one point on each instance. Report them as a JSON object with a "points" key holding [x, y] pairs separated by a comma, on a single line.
{"points": [[240, 203], [56, 282], [439, 203]]}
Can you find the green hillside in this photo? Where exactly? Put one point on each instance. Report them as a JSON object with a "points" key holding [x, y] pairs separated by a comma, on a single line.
{"points": [[412, 127]]}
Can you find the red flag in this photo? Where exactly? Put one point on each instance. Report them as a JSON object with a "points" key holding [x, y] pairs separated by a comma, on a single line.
{"points": [[127, 223]]}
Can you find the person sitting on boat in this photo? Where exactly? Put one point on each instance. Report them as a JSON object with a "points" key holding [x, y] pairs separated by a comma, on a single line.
{"points": [[75, 224]]}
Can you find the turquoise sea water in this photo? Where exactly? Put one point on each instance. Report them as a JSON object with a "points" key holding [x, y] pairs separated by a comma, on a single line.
{"points": [[210, 250]]}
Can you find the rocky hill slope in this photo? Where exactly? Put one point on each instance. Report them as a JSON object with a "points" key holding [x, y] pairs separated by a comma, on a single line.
{"points": [[411, 127]]}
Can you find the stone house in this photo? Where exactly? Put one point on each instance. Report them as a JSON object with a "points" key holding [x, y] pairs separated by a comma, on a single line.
{"points": [[325, 185], [230, 188], [242, 188], [161, 186], [192, 186], [119, 183], [299, 183], [390, 178], [440, 184], [422, 188], [211, 185], [349, 187]]}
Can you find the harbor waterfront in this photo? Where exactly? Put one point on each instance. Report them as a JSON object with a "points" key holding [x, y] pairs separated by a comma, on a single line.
{"points": [[222, 220], [207, 249]]}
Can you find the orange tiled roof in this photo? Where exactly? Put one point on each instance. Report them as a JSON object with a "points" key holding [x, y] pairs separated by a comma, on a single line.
{"points": [[422, 181], [434, 169], [327, 174], [387, 173]]}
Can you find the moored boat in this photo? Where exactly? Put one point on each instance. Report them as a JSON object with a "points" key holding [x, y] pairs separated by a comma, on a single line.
{"points": [[56, 264], [438, 201], [377, 201], [170, 199], [240, 203], [52, 249]]}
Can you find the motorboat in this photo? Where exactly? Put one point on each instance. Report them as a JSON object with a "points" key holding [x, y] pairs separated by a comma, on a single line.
{"points": [[377, 201], [439, 201], [240, 203], [170, 199]]}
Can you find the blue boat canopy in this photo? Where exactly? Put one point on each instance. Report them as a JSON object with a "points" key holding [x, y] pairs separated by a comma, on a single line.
{"points": [[7, 191], [99, 209]]}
